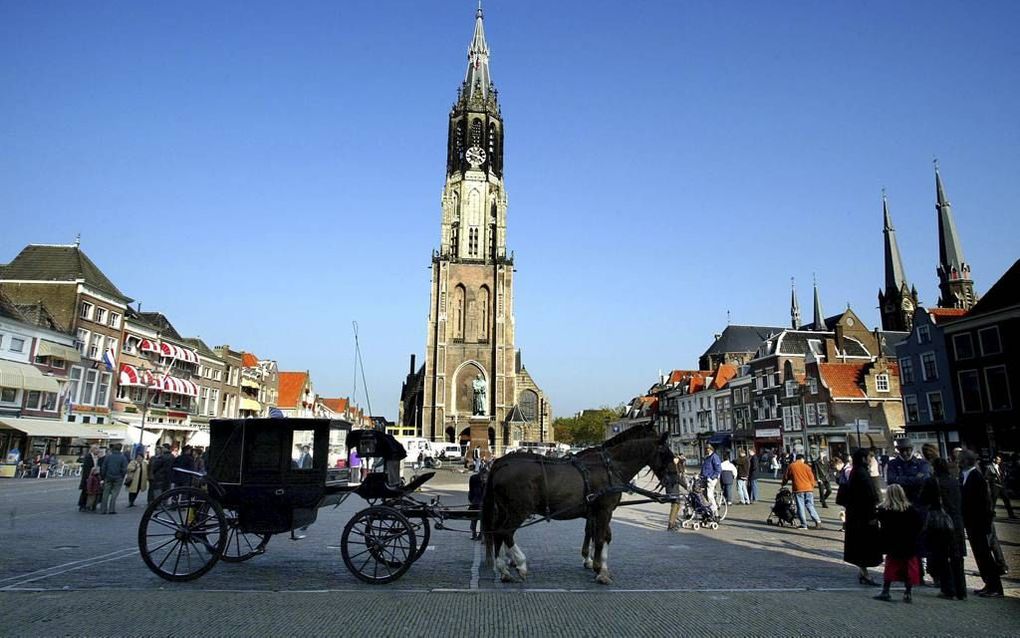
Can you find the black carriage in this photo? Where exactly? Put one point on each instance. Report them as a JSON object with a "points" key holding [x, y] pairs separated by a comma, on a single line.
{"points": [[271, 476]]}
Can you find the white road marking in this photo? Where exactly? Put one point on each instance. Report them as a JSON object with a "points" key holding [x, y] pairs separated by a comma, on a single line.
{"points": [[476, 563], [74, 562], [70, 569], [13, 515]]}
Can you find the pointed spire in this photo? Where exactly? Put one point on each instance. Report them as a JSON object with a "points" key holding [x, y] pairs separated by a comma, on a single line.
{"points": [[950, 251], [895, 277], [477, 81], [819, 319], [794, 306]]}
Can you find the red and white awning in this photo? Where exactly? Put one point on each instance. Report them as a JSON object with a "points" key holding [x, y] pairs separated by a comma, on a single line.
{"points": [[173, 351], [129, 375], [147, 345], [176, 385]]}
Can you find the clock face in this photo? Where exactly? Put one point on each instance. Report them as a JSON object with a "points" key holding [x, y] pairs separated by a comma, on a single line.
{"points": [[475, 156]]}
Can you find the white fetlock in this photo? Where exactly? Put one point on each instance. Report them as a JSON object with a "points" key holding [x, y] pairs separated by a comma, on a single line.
{"points": [[587, 563], [603, 578], [520, 560]]}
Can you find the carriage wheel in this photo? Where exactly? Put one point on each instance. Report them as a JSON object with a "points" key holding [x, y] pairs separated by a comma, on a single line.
{"points": [[422, 534], [182, 534], [378, 545], [241, 546]]}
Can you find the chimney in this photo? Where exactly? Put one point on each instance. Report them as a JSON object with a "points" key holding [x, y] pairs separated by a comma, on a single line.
{"points": [[412, 364]]}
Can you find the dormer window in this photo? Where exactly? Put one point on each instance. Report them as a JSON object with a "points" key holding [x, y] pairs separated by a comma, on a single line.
{"points": [[882, 383]]}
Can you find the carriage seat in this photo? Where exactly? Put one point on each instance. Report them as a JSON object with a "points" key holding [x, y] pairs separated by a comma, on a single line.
{"points": [[376, 485]]}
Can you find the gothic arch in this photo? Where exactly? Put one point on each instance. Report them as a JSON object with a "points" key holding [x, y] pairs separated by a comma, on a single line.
{"points": [[461, 395], [527, 400], [459, 297]]}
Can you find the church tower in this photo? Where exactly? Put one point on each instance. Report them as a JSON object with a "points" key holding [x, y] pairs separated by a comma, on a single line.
{"points": [[475, 389], [897, 302], [956, 288]]}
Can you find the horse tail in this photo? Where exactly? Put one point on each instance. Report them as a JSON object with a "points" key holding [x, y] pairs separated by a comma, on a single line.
{"points": [[489, 509]]}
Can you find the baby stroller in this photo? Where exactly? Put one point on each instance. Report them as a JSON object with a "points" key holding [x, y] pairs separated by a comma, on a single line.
{"points": [[783, 512], [698, 509]]}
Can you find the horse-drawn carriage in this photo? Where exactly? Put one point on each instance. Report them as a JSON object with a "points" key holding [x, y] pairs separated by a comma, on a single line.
{"points": [[270, 476]]}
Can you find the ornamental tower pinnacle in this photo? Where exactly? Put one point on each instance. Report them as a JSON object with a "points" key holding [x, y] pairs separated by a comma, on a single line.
{"points": [[897, 301], [956, 288]]}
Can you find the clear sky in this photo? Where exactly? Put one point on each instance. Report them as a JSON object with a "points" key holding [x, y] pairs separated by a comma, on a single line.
{"points": [[265, 173]]}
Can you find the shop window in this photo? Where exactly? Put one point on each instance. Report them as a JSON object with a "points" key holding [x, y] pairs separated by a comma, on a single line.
{"points": [[963, 345], [8, 395]]}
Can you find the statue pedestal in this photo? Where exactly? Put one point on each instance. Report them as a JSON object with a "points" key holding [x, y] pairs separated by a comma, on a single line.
{"points": [[479, 425]]}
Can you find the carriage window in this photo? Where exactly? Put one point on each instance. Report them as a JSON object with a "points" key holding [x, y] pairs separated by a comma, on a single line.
{"points": [[302, 448], [264, 451]]}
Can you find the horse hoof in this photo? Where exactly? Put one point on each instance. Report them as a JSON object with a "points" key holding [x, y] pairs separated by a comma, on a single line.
{"points": [[506, 578], [587, 564], [603, 579]]}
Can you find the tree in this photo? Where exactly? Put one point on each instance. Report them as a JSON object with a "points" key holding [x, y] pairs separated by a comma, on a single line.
{"points": [[587, 427]]}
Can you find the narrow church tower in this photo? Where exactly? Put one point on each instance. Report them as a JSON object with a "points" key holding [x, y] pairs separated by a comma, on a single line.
{"points": [[472, 380], [956, 288], [794, 306], [819, 317], [897, 302]]}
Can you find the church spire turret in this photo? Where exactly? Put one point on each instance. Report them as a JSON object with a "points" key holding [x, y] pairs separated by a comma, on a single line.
{"points": [[897, 301], [794, 306], [956, 289], [819, 318], [478, 87]]}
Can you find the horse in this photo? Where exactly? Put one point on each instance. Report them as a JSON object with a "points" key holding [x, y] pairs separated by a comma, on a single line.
{"points": [[523, 485]]}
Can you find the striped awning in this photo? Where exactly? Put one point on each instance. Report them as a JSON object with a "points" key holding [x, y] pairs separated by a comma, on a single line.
{"points": [[22, 376], [251, 405], [174, 351], [132, 376], [148, 345], [57, 351], [176, 385]]}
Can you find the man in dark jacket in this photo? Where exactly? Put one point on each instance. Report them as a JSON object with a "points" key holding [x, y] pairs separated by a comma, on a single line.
{"points": [[159, 472], [476, 494], [755, 464], [996, 478], [908, 472], [820, 467], [977, 519], [184, 461], [87, 463], [113, 469]]}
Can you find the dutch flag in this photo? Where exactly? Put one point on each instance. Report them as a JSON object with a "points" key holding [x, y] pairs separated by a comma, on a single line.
{"points": [[110, 358]]}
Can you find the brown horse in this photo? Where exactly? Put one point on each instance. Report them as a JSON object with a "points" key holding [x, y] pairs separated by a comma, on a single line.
{"points": [[523, 485]]}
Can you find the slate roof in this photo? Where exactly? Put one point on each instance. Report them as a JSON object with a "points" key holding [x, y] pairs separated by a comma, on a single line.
{"points": [[515, 415], [1003, 294], [159, 321], [37, 315], [854, 348], [889, 339], [741, 339], [797, 341], [9, 309], [292, 384], [37, 262], [843, 379], [200, 345]]}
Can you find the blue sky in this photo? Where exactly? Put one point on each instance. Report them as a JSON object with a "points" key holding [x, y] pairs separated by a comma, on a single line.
{"points": [[266, 173]]}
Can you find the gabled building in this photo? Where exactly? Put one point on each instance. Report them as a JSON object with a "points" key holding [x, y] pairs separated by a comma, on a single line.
{"points": [[984, 365], [230, 398], [81, 301], [296, 395]]}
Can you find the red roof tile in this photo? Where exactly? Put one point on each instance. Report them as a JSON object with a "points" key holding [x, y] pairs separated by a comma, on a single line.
{"points": [[942, 315], [292, 384], [336, 405], [723, 375], [248, 360], [843, 379]]}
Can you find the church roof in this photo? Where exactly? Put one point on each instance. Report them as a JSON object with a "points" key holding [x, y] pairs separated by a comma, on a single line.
{"points": [[1003, 294], [741, 339], [950, 251], [44, 262]]}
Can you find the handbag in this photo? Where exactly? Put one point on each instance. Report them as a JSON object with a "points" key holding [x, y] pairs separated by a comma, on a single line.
{"points": [[842, 495]]}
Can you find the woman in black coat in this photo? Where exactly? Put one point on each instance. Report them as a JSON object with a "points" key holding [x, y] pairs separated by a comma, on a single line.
{"points": [[862, 542], [946, 548]]}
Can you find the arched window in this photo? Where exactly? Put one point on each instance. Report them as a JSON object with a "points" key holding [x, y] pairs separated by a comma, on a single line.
{"points": [[484, 306], [476, 133], [528, 402], [458, 311]]}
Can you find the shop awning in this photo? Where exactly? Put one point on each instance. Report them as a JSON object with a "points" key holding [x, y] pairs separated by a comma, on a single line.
{"points": [[176, 385], [129, 375], [57, 351], [147, 345], [174, 351], [251, 404], [51, 427], [25, 377], [720, 440], [249, 383]]}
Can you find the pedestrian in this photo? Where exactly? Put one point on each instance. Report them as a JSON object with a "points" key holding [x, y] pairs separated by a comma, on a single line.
{"points": [[672, 485], [159, 472], [803, 483], [821, 469], [184, 461], [774, 466], [743, 465], [112, 468], [137, 477], [901, 525], [199, 460], [754, 467], [996, 477], [727, 477], [476, 494], [861, 543], [908, 472], [944, 529], [93, 489], [476, 454], [88, 462], [355, 464], [978, 520], [711, 468], [954, 462]]}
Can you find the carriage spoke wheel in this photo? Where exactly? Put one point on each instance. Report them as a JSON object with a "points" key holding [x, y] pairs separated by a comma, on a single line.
{"points": [[378, 545], [241, 546], [182, 534], [422, 534]]}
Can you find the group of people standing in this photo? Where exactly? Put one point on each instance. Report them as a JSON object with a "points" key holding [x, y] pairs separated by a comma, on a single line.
{"points": [[932, 507], [105, 473]]}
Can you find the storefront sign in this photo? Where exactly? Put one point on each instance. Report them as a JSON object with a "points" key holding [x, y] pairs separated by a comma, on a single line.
{"points": [[770, 433]]}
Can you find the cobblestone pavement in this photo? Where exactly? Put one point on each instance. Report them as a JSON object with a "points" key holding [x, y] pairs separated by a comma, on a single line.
{"points": [[59, 566]]}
